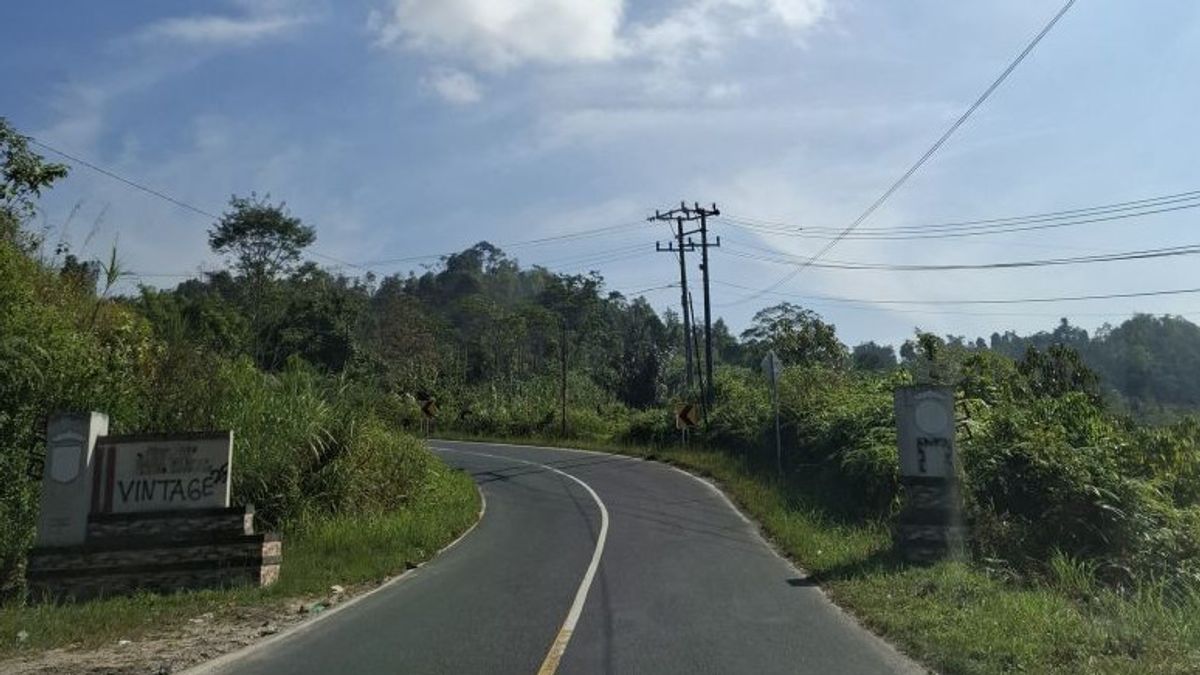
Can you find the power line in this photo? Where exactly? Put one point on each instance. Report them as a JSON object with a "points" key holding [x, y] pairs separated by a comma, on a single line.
{"points": [[923, 159], [1147, 202], [156, 193], [945, 312], [990, 301], [1147, 254], [571, 262], [649, 289], [582, 234], [133, 184], [900, 234], [594, 232]]}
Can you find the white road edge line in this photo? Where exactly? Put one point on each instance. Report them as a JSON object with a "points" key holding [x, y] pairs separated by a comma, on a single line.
{"points": [[902, 661], [220, 663], [559, 646]]}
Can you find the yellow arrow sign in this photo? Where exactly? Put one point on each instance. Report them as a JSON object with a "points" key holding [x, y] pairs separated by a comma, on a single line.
{"points": [[687, 416], [429, 408]]}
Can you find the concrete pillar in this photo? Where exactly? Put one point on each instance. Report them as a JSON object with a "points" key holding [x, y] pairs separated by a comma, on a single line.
{"points": [[67, 479], [929, 526]]}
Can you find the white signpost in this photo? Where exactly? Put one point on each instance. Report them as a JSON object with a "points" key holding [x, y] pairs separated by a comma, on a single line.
{"points": [[772, 367], [162, 472]]}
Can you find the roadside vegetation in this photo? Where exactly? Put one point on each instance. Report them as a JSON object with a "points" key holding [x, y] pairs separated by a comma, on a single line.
{"points": [[353, 552], [319, 448], [1080, 453]]}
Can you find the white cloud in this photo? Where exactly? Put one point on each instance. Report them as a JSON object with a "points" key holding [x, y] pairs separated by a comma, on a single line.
{"points": [[495, 35], [455, 86], [221, 29], [490, 36], [799, 13], [705, 27], [723, 91]]}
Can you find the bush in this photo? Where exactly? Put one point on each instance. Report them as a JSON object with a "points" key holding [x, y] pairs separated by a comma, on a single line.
{"points": [[306, 445], [60, 349], [843, 430], [742, 412]]}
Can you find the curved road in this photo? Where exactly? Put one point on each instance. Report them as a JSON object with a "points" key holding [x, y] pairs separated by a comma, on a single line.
{"points": [[587, 563]]}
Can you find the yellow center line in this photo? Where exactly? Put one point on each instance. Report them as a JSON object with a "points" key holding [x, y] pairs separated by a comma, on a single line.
{"points": [[559, 646]]}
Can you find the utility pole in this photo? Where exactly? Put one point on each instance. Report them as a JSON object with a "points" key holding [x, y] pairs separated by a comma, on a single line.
{"points": [[681, 215], [708, 343], [696, 349], [562, 392], [679, 247]]}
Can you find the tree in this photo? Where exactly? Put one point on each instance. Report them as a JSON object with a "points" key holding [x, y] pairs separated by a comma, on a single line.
{"points": [[320, 322], [1057, 371], [933, 360], [725, 344], [262, 238], [796, 334], [22, 176], [639, 356], [871, 356]]}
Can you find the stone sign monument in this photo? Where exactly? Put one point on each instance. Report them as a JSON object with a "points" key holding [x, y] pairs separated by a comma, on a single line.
{"points": [[152, 512], [162, 472], [929, 525]]}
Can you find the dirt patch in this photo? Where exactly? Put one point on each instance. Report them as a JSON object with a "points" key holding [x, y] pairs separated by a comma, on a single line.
{"points": [[181, 646]]}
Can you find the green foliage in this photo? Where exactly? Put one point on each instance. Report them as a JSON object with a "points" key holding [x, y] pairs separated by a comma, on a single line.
{"points": [[346, 549], [742, 413], [1146, 362], [60, 349], [262, 238], [842, 431], [308, 445], [312, 446], [871, 356], [23, 176], [797, 335], [317, 373], [1057, 371]]}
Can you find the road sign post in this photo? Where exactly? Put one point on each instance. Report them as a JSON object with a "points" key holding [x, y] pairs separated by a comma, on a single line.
{"points": [[773, 368], [929, 526], [429, 411], [687, 416]]}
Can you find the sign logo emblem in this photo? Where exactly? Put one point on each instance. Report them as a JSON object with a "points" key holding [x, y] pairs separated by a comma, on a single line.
{"points": [[66, 451]]}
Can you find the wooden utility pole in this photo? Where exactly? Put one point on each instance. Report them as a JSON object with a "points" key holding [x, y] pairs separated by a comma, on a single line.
{"points": [[562, 390], [679, 247], [708, 343], [696, 349]]}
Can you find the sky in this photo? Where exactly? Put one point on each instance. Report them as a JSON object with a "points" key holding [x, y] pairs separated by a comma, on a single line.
{"points": [[406, 128]]}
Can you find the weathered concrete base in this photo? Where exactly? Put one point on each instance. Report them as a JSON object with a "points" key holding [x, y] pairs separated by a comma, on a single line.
{"points": [[929, 543], [159, 552], [929, 527]]}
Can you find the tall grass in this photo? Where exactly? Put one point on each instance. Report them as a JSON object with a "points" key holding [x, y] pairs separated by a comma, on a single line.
{"points": [[344, 550]]}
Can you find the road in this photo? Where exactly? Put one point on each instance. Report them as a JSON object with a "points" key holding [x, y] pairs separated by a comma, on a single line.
{"points": [[587, 563]]}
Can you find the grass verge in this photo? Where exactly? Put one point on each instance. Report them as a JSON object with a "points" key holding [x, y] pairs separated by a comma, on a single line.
{"points": [[318, 554], [954, 617]]}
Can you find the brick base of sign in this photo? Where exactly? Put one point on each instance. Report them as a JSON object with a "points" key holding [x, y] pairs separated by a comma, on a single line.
{"points": [[160, 552], [170, 523]]}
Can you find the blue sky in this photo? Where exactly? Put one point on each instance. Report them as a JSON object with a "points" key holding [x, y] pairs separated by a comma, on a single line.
{"points": [[402, 128]]}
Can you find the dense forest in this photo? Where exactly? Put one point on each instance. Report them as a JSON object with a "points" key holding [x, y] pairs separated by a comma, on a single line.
{"points": [[479, 318], [320, 372]]}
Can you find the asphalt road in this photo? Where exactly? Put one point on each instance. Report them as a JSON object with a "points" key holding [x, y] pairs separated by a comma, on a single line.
{"points": [[679, 583]]}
